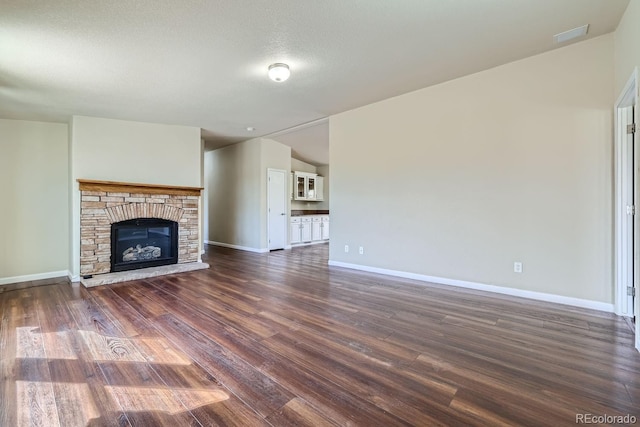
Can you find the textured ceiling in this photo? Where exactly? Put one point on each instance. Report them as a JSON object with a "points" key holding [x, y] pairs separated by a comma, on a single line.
{"points": [[203, 63]]}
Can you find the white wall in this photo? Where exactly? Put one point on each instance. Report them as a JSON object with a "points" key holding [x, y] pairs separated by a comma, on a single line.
{"points": [[232, 180], [300, 166], [236, 186], [133, 152], [460, 180], [149, 153], [34, 239], [204, 220], [627, 45]]}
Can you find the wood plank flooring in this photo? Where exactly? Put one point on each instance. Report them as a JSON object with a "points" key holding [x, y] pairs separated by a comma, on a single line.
{"points": [[281, 339]]}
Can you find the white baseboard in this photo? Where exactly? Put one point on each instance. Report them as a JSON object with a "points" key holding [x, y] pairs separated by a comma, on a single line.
{"points": [[541, 296], [242, 248], [31, 277], [317, 242]]}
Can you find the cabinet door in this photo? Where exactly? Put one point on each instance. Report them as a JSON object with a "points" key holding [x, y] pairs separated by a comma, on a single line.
{"points": [[294, 230], [325, 229], [319, 188], [305, 231], [316, 229], [311, 188], [301, 188]]}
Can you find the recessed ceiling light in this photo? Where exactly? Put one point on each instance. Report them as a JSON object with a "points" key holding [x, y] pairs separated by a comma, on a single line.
{"points": [[250, 129], [571, 34], [279, 72]]}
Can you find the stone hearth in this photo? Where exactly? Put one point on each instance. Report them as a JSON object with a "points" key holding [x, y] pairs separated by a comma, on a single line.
{"points": [[104, 203], [144, 273]]}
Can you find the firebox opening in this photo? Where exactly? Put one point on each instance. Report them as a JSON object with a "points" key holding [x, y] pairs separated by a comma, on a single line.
{"points": [[143, 242]]}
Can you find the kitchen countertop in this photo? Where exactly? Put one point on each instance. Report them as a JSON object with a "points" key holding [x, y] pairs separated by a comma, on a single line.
{"points": [[309, 212]]}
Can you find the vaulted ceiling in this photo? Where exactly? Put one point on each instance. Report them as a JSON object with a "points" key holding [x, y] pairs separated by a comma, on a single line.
{"points": [[204, 63]]}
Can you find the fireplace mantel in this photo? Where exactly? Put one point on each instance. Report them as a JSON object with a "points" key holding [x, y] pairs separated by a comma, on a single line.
{"points": [[128, 187]]}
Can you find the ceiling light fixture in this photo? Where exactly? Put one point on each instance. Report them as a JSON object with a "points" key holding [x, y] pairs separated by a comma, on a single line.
{"points": [[571, 34], [279, 72], [250, 128]]}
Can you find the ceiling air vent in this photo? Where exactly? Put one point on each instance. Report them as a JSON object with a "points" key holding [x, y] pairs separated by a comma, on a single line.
{"points": [[571, 34]]}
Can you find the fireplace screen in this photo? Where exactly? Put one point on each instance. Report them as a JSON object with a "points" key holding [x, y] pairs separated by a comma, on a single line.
{"points": [[143, 242]]}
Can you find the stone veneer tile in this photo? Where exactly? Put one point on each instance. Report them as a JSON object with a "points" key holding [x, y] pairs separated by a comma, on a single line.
{"points": [[110, 198], [101, 209]]}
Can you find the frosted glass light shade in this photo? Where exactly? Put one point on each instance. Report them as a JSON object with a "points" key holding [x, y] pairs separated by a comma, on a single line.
{"points": [[279, 72]]}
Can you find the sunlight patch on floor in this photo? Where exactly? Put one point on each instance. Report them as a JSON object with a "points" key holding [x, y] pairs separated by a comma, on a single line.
{"points": [[106, 348], [172, 401], [159, 350], [29, 343], [37, 404]]}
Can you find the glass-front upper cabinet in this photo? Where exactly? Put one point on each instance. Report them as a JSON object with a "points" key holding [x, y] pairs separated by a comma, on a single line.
{"points": [[305, 186], [311, 188], [300, 187]]}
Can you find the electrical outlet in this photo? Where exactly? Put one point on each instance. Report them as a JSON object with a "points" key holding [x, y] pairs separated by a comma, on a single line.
{"points": [[517, 267], [361, 250], [346, 248]]}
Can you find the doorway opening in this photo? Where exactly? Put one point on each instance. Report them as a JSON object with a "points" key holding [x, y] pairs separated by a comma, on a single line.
{"points": [[627, 248], [277, 208]]}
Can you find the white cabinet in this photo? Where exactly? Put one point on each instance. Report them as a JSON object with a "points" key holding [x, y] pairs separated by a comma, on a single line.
{"points": [[316, 228], [291, 186], [299, 187], [305, 230], [300, 229], [295, 230], [304, 186], [325, 227], [321, 227], [309, 228], [319, 188]]}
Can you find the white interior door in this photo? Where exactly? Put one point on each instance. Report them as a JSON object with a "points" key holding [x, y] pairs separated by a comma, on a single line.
{"points": [[627, 234], [629, 197], [277, 209], [635, 236]]}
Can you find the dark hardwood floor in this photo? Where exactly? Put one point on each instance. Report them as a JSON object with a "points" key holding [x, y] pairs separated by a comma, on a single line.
{"points": [[281, 339]]}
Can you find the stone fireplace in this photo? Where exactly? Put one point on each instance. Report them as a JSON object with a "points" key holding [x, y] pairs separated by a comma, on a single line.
{"points": [[105, 203]]}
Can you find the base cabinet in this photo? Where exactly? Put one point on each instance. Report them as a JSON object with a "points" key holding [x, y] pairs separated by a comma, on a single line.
{"points": [[294, 233], [325, 228], [316, 228], [308, 229], [305, 230], [300, 230]]}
